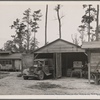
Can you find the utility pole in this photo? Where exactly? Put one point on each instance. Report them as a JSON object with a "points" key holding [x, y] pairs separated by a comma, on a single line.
{"points": [[46, 24], [97, 23]]}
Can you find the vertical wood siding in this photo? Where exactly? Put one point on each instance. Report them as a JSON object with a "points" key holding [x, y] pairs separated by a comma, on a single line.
{"points": [[60, 46]]}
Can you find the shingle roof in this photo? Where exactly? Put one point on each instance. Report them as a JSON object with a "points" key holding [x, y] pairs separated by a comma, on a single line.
{"points": [[91, 45], [11, 56]]}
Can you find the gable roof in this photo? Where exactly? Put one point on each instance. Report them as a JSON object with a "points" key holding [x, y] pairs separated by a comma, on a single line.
{"points": [[11, 56], [91, 45], [55, 45]]}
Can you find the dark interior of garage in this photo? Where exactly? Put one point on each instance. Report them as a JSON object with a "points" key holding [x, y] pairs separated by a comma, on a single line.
{"points": [[69, 58]]}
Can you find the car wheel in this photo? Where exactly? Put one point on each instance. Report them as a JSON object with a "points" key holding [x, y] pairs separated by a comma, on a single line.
{"points": [[25, 77], [41, 75]]}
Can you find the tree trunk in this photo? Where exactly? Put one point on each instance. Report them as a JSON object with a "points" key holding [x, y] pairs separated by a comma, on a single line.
{"points": [[34, 41], [89, 25], [46, 24], [28, 37], [20, 46], [89, 32], [59, 20], [97, 22]]}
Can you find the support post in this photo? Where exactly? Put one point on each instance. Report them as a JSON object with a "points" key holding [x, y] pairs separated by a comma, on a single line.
{"points": [[89, 72], [54, 66], [22, 65], [89, 66]]}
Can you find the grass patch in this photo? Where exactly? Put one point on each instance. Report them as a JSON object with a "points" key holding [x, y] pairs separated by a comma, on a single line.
{"points": [[44, 86]]}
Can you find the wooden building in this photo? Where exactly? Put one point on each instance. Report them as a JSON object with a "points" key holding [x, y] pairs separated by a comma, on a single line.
{"points": [[15, 61], [64, 54], [10, 61], [93, 52]]}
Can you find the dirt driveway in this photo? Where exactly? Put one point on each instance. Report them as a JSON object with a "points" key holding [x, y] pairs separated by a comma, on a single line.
{"points": [[13, 85]]}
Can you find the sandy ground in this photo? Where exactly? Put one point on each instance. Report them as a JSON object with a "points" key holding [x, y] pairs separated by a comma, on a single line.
{"points": [[13, 85]]}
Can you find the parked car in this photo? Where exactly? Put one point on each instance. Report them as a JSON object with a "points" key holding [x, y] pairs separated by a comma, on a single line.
{"points": [[40, 69]]}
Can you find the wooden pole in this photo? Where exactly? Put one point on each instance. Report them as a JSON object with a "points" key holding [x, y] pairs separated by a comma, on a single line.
{"points": [[46, 24]]}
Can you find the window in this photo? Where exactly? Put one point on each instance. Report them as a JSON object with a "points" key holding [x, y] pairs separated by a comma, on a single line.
{"points": [[4, 62], [10, 62]]}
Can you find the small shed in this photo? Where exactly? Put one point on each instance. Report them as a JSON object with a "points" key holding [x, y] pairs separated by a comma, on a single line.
{"points": [[93, 52], [63, 53]]}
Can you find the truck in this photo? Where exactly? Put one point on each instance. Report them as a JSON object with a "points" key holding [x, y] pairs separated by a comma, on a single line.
{"points": [[40, 69]]}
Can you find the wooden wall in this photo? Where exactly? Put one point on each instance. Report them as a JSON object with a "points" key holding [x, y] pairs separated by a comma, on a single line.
{"points": [[18, 65], [59, 46], [95, 61]]}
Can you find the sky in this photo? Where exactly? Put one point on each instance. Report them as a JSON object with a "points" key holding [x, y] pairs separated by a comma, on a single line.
{"points": [[72, 12]]}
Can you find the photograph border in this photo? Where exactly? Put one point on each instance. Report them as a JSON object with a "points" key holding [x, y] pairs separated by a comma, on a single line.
{"points": [[49, 97]]}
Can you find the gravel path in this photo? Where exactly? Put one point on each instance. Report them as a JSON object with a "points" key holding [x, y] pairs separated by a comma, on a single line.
{"points": [[13, 85]]}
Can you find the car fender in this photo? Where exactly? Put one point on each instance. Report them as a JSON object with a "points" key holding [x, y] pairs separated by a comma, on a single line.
{"points": [[26, 71]]}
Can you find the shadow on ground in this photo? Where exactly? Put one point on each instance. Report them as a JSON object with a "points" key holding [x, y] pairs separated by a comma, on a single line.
{"points": [[44, 86]]}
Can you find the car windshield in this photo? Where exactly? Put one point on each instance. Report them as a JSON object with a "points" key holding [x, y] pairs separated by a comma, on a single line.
{"points": [[38, 63], [35, 62]]}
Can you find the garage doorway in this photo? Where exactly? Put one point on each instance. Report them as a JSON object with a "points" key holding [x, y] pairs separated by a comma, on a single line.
{"points": [[68, 59]]}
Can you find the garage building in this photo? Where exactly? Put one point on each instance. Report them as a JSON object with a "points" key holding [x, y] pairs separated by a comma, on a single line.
{"points": [[93, 52], [64, 54]]}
